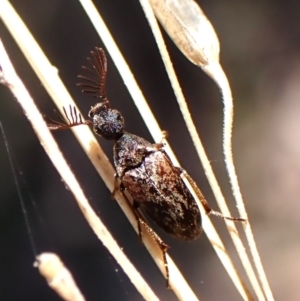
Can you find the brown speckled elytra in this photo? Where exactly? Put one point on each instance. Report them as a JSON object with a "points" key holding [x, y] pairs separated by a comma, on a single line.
{"points": [[144, 169]]}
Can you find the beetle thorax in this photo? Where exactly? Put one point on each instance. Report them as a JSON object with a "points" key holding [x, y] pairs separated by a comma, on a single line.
{"points": [[130, 151]]}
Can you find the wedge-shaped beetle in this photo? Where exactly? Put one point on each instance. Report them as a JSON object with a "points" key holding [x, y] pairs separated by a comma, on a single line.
{"points": [[144, 169]]}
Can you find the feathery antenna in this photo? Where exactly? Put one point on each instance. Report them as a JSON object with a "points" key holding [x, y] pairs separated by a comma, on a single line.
{"points": [[70, 119], [96, 84]]}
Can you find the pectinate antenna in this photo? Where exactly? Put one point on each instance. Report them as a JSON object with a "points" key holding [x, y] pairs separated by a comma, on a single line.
{"points": [[95, 84], [68, 120]]}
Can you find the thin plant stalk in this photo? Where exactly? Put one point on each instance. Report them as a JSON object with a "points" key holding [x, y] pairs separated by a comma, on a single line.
{"points": [[58, 276], [221, 80], [194, 35], [198, 144]]}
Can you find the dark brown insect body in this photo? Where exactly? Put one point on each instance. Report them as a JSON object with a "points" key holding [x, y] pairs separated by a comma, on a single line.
{"points": [[155, 183], [149, 176], [144, 169]]}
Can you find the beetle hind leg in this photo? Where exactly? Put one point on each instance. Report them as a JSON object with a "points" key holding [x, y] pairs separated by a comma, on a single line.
{"points": [[203, 201]]}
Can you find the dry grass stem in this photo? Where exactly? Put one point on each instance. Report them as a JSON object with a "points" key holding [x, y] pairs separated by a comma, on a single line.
{"points": [[216, 72], [58, 277], [197, 142], [165, 17], [194, 35]]}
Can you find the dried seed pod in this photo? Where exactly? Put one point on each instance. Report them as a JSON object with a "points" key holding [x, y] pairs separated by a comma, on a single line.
{"points": [[189, 28]]}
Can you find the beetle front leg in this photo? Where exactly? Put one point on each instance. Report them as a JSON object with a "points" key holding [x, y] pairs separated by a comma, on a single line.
{"points": [[118, 185], [160, 145]]}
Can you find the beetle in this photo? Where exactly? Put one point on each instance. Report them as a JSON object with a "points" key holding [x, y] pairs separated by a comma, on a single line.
{"points": [[144, 169]]}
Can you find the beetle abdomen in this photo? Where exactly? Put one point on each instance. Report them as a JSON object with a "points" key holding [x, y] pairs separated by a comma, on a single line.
{"points": [[156, 185]]}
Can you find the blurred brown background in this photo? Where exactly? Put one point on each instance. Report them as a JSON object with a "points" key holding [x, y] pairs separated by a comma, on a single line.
{"points": [[260, 52]]}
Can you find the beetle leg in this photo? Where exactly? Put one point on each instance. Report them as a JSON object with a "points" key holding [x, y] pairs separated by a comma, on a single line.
{"points": [[160, 145], [135, 207], [203, 201], [142, 222], [164, 136], [162, 245], [117, 185]]}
